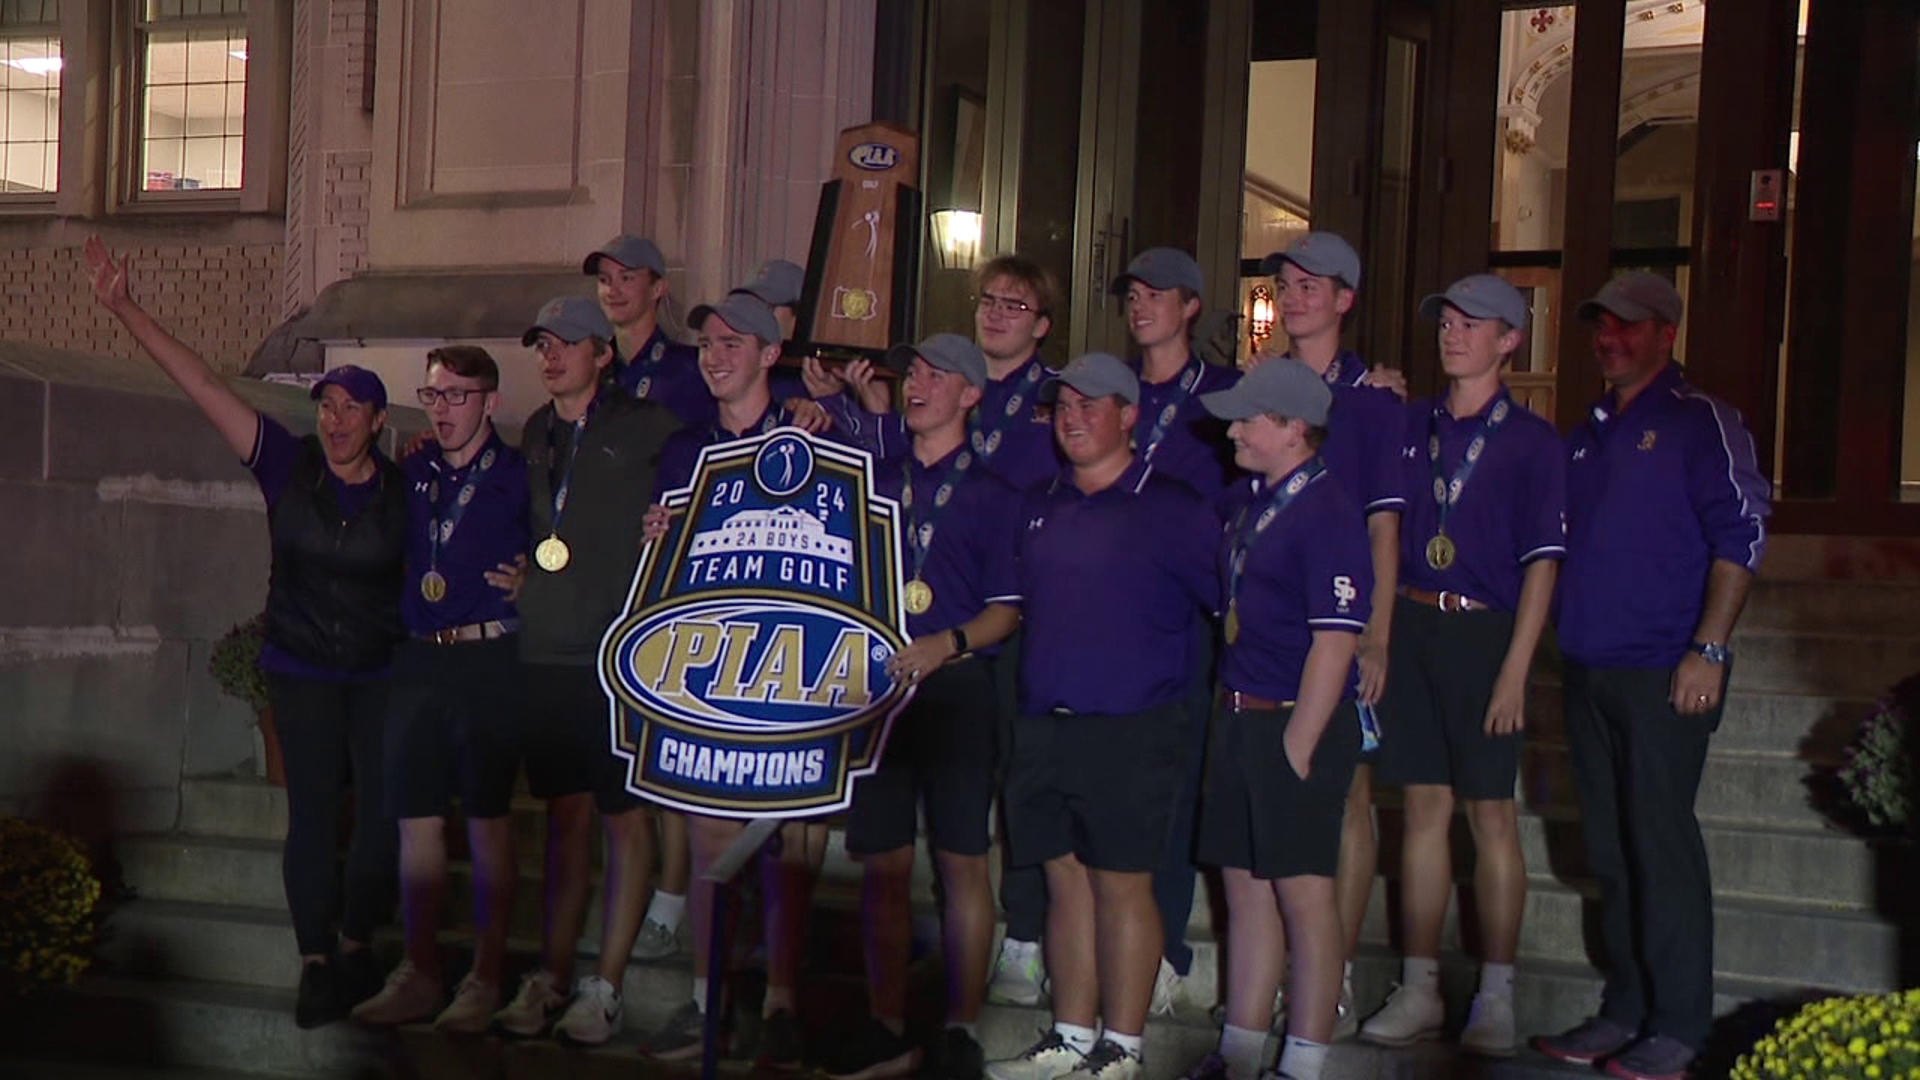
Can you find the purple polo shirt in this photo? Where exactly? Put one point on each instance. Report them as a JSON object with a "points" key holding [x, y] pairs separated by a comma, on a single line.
{"points": [[1364, 437], [668, 372], [1511, 511], [1023, 455], [1654, 495], [1194, 448], [275, 450], [492, 530], [971, 561], [1110, 583], [1311, 569]]}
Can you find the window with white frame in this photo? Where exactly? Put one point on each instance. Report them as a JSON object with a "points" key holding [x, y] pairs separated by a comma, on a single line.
{"points": [[29, 97], [191, 111]]}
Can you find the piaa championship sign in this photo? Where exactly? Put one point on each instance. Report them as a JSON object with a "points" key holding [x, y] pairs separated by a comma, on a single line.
{"points": [[748, 678]]}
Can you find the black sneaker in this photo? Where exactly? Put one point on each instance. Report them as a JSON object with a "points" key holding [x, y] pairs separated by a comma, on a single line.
{"points": [[319, 1002], [781, 1047], [873, 1052], [956, 1056]]}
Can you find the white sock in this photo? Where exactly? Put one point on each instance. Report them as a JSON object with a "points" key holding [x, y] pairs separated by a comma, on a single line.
{"points": [[1245, 1050], [778, 998], [700, 994], [1302, 1060], [1080, 1038], [1496, 980], [1346, 974], [1420, 971], [667, 909], [1132, 1044]]}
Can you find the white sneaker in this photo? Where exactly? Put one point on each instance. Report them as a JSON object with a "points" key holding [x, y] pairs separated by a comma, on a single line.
{"points": [[1489, 1030], [474, 1002], [1107, 1062], [657, 941], [534, 1007], [1169, 987], [1346, 1019], [594, 1017], [1412, 1014], [1017, 974], [409, 997], [1048, 1059]]}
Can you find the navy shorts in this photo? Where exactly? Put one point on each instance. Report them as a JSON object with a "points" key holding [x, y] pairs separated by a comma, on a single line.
{"points": [[1099, 787], [451, 728], [941, 752], [1256, 813], [565, 736], [1435, 705]]}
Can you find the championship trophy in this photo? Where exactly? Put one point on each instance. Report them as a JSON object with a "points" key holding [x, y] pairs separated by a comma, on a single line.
{"points": [[864, 266]]}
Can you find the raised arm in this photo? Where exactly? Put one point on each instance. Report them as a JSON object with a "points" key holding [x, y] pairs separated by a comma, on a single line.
{"points": [[235, 420]]}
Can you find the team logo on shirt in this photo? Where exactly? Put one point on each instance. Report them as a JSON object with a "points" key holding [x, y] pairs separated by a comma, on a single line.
{"points": [[1344, 594], [1648, 438], [747, 677]]}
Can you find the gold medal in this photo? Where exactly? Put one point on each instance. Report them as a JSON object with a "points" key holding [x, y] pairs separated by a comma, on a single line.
{"points": [[433, 587], [919, 597], [1440, 551], [552, 555], [1233, 621]]}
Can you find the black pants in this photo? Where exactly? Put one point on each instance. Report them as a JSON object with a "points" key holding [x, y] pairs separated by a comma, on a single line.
{"points": [[1636, 767], [1173, 883], [330, 737]]}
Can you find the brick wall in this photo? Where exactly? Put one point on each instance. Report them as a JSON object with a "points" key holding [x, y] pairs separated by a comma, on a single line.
{"points": [[347, 189], [221, 300]]}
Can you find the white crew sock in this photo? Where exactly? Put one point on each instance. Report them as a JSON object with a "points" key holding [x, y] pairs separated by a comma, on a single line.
{"points": [[1302, 1060], [1496, 980], [1244, 1050], [700, 994], [1080, 1038], [667, 909], [1132, 1044], [1420, 971]]}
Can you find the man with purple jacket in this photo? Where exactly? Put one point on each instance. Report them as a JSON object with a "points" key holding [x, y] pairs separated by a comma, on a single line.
{"points": [[1665, 529]]}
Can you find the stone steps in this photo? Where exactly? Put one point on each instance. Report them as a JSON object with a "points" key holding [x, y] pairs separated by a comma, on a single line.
{"points": [[1891, 607]]}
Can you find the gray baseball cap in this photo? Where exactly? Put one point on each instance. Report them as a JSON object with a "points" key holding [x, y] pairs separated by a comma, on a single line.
{"points": [[776, 283], [1322, 254], [1282, 386], [632, 252], [948, 352], [571, 319], [1635, 297], [1095, 375], [1481, 296], [1162, 268], [744, 312]]}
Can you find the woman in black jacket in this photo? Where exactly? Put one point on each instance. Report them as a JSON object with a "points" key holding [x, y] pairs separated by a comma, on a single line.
{"points": [[337, 517]]}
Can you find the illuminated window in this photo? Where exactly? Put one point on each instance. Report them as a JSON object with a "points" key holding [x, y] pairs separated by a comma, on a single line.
{"points": [[192, 112], [29, 96]]}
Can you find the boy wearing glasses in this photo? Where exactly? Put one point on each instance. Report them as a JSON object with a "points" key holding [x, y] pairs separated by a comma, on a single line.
{"points": [[451, 729]]}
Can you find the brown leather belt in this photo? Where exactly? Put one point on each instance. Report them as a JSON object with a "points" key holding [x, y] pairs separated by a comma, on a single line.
{"points": [[1444, 600], [480, 631], [1235, 701]]}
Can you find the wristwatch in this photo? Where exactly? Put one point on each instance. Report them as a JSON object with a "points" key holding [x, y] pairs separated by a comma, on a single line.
{"points": [[960, 641], [1713, 652]]}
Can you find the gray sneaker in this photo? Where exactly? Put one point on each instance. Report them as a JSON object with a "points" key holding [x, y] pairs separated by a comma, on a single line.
{"points": [[1048, 1059], [680, 1038], [657, 941], [1594, 1038], [537, 1004], [1656, 1057]]}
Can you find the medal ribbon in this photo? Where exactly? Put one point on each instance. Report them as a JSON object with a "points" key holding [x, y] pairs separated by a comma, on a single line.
{"points": [[440, 531], [573, 457], [985, 438], [1189, 378], [1244, 534], [920, 537], [1446, 492]]}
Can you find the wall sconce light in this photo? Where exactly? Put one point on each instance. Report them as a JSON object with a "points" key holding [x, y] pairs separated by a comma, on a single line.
{"points": [[956, 236], [1260, 319]]}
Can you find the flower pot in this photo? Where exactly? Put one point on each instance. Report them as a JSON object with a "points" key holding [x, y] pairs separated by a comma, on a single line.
{"points": [[275, 768]]}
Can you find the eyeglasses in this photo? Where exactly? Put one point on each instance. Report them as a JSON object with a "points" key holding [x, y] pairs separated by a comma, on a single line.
{"points": [[429, 396], [1005, 305]]}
